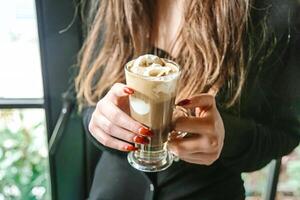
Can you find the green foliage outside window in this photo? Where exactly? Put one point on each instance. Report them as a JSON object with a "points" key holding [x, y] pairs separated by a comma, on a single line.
{"points": [[24, 168]]}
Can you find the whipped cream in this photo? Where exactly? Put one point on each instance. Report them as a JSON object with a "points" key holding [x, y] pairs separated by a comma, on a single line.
{"points": [[152, 66]]}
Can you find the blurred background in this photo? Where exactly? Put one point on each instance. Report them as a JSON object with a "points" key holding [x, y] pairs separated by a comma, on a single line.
{"points": [[24, 164], [32, 53]]}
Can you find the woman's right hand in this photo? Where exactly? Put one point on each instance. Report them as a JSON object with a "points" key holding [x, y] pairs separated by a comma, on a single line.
{"points": [[111, 124]]}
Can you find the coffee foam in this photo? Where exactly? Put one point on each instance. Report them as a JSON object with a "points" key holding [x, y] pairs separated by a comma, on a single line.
{"points": [[156, 78], [152, 66]]}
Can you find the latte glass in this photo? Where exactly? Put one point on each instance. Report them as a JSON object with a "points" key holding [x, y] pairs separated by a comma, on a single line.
{"points": [[152, 104]]}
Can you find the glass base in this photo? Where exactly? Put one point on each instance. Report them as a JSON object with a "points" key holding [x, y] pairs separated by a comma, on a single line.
{"points": [[150, 166]]}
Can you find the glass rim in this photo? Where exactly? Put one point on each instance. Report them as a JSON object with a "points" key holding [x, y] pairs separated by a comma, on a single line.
{"points": [[155, 78]]}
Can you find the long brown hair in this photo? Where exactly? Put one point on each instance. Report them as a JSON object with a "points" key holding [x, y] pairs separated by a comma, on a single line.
{"points": [[211, 48]]}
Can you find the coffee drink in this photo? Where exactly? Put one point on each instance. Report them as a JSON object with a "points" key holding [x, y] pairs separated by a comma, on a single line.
{"points": [[154, 81]]}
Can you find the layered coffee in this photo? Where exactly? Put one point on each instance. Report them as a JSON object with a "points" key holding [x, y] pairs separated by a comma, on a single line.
{"points": [[154, 81]]}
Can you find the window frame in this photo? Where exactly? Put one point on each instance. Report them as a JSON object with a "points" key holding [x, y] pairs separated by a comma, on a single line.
{"points": [[60, 39], [11, 103]]}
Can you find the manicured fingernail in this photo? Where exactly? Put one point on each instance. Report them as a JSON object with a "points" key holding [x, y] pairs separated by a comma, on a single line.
{"points": [[128, 90], [184, 102], [145, 131], [141, 140], [130, 148]]}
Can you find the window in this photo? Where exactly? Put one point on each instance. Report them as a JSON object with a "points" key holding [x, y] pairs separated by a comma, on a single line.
{"points": [[289, 179], [24, 165], [288, 187], [20, 75], [256, 183]]}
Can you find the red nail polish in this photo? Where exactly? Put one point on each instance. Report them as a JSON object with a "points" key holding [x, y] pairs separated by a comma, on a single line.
{"points": [[141, 140], [184, 102], [128, 90], [145, 131], [130, 148]]}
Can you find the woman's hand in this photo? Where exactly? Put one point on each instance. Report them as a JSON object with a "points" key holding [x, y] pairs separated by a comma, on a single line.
{"points": [[111, 124], [204, 143]]}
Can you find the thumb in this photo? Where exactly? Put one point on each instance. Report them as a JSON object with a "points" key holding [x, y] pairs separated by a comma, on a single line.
{"points": [[117, 91]]}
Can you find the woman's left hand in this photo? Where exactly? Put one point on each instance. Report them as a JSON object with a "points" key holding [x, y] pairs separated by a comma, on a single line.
{"points": [[206, 131]]}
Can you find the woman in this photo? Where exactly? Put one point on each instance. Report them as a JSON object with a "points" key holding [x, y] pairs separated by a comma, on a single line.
{"points": [[239, 75]]}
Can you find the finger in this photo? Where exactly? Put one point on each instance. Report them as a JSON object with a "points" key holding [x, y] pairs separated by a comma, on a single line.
{"points": [[195, 125], [201, 113], [113, 130], [118, 90], [198, 161], [119, 118], [200, 158], [208, 157], [194, 155], [109, 141], [178, 134], [204, 101], [191, 145]]}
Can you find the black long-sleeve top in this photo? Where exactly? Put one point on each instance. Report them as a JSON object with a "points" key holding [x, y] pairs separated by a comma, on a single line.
{"points": [[264, 125]]}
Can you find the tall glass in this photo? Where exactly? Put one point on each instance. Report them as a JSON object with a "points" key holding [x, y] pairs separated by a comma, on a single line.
{"points": [[152, 104]]}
